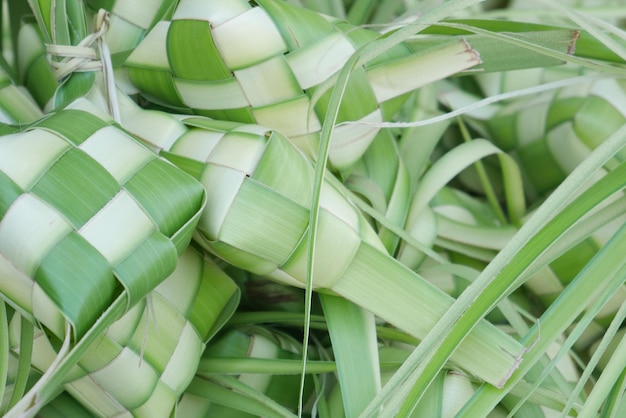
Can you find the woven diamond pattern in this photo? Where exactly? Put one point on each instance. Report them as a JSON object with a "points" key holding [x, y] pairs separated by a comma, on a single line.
{"points": [[130, 21], [261, 64], [248, 164]]}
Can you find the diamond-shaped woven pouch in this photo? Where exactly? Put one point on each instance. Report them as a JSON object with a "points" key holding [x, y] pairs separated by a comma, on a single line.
{"points": [[263, 62], [255, 171], [144, 362], [87, 212], [260, 223]]}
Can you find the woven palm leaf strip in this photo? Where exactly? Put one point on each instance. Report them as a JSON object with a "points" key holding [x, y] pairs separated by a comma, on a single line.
{"points": [[33, 66], [87, 212], [263, 63], [143, 363]]}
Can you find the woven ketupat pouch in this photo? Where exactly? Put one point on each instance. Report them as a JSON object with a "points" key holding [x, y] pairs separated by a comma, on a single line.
{"points": [[86, 213], [146, 359]]}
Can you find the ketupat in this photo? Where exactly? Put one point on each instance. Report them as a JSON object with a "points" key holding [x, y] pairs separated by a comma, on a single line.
{"points": [[129, 22], [553, 129], [260, 223], [42, 61], [173, 137], [92, 216], [80, 200], [266, 63], [143, 363], [566, 127]]}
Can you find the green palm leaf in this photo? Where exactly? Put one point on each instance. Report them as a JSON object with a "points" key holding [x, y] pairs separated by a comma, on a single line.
{"points": [[17, 106], [549, 135]]}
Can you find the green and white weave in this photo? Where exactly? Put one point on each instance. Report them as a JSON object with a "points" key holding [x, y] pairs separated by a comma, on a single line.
{"points": [[129, 21], [145, 360], [87, 212], [264, 62]]}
